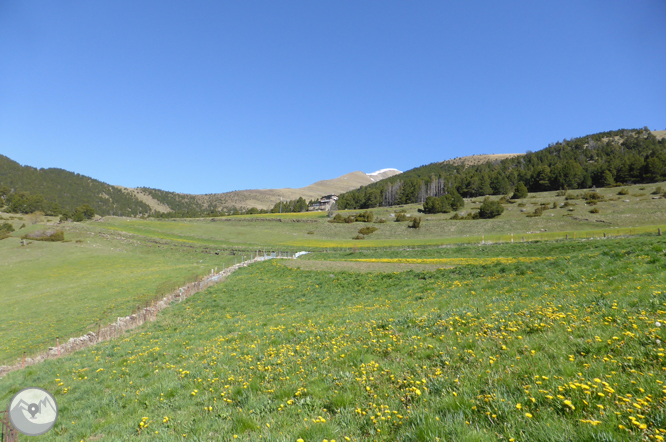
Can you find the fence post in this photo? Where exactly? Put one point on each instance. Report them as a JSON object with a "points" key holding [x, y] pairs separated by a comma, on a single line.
{"points": [[659, 231]]}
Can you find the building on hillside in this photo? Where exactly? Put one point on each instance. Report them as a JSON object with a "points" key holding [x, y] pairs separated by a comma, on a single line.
{"points": [[324, 203]]}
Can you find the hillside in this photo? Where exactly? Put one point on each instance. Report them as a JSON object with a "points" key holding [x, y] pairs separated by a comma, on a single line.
{"points": [[69, 190], [475, 160], [603, 159], [265, 198], [63, 191]]}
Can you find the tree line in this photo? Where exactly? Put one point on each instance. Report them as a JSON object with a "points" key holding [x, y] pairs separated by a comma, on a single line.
{"points": [[603, 159]]}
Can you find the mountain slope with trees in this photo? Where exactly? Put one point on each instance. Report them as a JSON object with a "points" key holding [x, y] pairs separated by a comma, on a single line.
{"points": [[55, 191], [603, 159]]}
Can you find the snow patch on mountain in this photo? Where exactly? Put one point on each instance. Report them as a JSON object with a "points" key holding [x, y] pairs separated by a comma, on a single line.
{"points": [[382, 173]]}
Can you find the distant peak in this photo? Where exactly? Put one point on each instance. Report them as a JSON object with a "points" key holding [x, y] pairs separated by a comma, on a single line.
{"points": [[381, 171]]}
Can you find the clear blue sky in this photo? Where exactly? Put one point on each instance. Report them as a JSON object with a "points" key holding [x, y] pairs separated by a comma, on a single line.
{"points": [[214, 96]]}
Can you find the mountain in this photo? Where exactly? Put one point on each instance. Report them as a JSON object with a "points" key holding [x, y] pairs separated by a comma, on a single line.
{"points": [[264, 198], [68, 190], [602, 159], [56, 190]]}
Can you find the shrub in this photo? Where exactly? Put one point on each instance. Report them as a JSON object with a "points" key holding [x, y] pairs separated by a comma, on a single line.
{"points": [[416, 223], [623, 192], [380, 220], [311, 232], [538, 211], [400, 217], [435, 205], [443, 204], [367, 230], [490, 209], [45, 235], [77, 216], [341, 219], [469, 216], [6, 228], [83, 212], [364, 217], [358, 237], [592, 196], [520, 192], [595, 210], [657, 191], [562, 192]]}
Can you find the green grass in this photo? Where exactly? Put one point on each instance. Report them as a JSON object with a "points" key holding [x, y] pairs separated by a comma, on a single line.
{"points": [[566, 349], [54, 289], [640, 215]]}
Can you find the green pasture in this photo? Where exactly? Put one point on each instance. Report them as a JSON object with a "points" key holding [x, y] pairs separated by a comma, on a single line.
{"points": [[110, 266], [635, 213], [63, 289], [565, 344]]}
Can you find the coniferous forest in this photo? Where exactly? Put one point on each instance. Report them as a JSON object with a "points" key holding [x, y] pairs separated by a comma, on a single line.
{"points": [[603, 159]]}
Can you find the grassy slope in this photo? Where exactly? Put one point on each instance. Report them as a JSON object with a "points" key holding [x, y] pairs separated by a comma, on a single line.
{"points": [[641, 213], [63, 289], [73, 281], [564, 349]]}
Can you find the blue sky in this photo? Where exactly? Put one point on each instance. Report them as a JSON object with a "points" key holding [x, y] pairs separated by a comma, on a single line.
{"points": [[205, 97]]}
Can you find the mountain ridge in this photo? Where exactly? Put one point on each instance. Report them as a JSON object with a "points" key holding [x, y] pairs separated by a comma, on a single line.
{"points": [[62, 191], [602, 159]]}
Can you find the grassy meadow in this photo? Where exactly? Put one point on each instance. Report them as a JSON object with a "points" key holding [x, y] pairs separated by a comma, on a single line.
{"points": [[447, 332], [63, 289], [634, 213], [558, 341]]}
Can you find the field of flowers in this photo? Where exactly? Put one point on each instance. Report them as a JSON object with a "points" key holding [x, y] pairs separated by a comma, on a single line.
{"points": [[564, 349]]}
